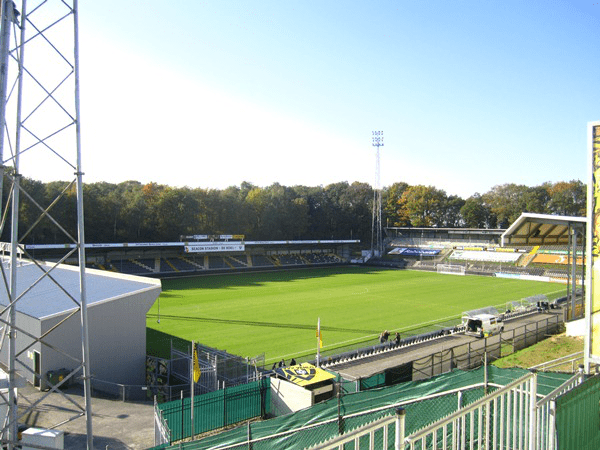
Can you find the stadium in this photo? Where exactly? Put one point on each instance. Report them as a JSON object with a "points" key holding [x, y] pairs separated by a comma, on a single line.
{"points": [[293, 332], [239, 350]]}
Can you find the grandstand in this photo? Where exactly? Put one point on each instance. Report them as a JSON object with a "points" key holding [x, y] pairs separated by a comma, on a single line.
{"points": [[480, 252], [187, 258]]}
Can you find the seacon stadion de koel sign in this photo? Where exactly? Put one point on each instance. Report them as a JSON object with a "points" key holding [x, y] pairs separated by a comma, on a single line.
{"points": [[206, 247]]}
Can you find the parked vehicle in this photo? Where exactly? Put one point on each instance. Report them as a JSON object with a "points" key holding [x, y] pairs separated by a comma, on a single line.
{"points": [[483, 325]]}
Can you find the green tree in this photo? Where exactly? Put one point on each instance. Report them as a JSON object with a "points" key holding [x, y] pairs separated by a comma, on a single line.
{"points": [[423, 205], [568, 198], [450, 212], [392, 209], [507, 202], [476, 214]]}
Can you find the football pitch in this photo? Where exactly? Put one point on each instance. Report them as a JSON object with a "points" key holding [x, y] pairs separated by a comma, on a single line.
{"points": [[276, 312]]}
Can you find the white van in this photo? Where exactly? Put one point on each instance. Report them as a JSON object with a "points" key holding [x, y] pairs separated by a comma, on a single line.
{"points": [[483, 325]]}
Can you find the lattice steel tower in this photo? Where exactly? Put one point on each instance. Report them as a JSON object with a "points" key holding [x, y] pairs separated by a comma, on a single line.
{"points": [[40, 118], [376, 226]]}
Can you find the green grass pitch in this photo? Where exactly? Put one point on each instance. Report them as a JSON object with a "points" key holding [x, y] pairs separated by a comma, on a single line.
{"points": [[276, 312]]}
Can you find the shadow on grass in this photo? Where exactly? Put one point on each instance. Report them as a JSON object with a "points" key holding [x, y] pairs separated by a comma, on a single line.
{"points": [[159, 344], [231, 280]]}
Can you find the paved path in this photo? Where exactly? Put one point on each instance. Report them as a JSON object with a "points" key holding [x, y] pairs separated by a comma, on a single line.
{"points": [[115, 424], [367, 367]]}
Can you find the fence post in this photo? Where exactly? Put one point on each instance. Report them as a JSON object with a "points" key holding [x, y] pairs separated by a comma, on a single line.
{"points": [[533, 410], [514, 340], [552, 424], [249, 437], [225, 407], [263, 394], [581, 373], [339, 405], [432, 364], [182, 415], [469, 353], [485, 374], [400, 429]]}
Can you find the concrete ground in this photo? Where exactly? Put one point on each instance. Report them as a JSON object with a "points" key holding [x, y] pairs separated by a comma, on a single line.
{"points": [[115, 424]]}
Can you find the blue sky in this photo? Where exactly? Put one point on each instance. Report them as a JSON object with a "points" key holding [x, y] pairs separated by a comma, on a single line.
{"points": [[469, 94]]}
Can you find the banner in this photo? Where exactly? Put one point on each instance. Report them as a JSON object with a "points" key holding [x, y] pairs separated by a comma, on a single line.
{"points": [[304, 374], [413, 252], [593, 235], [214, 247], [555, 259]]}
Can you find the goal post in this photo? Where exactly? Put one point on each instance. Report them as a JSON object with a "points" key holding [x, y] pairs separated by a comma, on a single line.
{"points": [[453, 269]]}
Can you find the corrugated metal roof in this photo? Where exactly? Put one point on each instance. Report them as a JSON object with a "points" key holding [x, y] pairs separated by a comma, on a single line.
{"points": [[47, 298], [541, 229]]}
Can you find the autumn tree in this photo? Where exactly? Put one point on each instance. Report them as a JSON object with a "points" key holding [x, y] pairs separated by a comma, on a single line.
{"points": [[423, 205], [393, 212], [567, 198]]}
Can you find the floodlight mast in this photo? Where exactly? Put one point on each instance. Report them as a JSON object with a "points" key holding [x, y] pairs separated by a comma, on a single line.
{"points": [[9, 17], [376, 226], [36, 140]]}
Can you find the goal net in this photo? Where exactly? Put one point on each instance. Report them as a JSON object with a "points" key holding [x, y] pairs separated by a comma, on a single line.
{"points": [[454, 269]]}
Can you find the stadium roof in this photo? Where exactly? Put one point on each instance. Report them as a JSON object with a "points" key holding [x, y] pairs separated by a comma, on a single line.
{"points": [[542, 229], [47, 299], [183, 244]]}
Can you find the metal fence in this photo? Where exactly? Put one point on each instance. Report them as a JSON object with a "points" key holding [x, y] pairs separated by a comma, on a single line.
{"points": [[463, 356], [433, 406], [219, 369], [577, 422], [472, 354], [425, 402], [162, 434], [511, 417], [134, 393], [213, 410], [503, 419], [546, 410]]}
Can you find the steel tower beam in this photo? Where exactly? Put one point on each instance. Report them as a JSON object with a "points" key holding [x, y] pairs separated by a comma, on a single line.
{"points": [[376, 225], [40, 125]]}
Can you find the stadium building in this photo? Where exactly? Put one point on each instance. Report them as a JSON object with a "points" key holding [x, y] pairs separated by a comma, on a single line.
{"points": [[117, 307]]}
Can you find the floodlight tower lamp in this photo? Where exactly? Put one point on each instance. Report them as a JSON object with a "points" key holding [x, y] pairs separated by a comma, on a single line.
{"points": [[376, 235]]}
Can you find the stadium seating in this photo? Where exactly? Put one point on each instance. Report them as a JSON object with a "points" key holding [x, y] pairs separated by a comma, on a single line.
{"points": [[131, 267], [167, 266], [217, 262], [200, 262], [236, 261], [180, 265], [290, 260], [262, 261]]}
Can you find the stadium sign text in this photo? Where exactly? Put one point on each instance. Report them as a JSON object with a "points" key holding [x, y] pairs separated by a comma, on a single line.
{"points": [[215, 247]]}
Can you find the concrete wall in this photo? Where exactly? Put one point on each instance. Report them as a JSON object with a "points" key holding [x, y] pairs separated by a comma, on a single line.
{"points": [[287, 397], [25, 355], [575, 328], [117, 339]]}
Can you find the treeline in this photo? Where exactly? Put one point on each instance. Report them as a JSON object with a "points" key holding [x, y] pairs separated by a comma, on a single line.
{"points": [[135, 212]]}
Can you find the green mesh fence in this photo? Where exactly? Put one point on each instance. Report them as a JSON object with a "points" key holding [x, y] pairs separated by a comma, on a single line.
{"points": [[217, 409], [577, 419], [327, 419]]}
